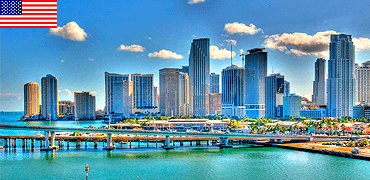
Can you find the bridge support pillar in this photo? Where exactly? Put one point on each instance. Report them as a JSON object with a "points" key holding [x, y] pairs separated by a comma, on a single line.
{"points": [[23, 143], [52, 139], [224, 143], [32, 143], [109, 146], [95, 143], [14, 143], [5, 143], [46, 145], [167, 143]]}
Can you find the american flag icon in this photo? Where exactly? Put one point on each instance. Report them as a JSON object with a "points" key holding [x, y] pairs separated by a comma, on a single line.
{"points": [[28, 13]]}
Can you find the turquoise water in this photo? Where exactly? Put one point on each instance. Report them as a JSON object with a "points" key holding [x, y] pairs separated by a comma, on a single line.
{"points": [[181, 163]]}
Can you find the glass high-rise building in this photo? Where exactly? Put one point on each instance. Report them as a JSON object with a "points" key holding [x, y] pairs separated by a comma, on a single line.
{"points": [[319, 85], [274, 93], [143, 91], [363, 82], [31, 99], [49, 97], [255, 73], [114, 92], [215, 83], [233, 91], [174, 92], [85, 105], [199, 72], [341, 81]]}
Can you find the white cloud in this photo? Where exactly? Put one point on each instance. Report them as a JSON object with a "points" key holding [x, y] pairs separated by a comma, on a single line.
{"points": [[240, 28], [361, 43], [62, 61], [195, 1], [301, 43], [132, 48], [70, 31], [90, 59], [149, 38], [241, 51], [231, 41], [165, 54], [304, 44], [217, 53], [65, 91]]}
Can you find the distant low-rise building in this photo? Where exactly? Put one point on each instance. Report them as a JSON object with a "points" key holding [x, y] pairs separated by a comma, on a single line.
{"points": [[66, 107], [314, 113]]}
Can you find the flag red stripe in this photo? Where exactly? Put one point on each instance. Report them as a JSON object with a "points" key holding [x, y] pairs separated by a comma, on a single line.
{"points": [[39, 0], [43, 5], [28, 18], [28, 22], [39, 9], [39, 14], [28, 26]]}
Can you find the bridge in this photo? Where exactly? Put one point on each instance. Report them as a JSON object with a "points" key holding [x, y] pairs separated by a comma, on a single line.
{"points": [[224, 137]]}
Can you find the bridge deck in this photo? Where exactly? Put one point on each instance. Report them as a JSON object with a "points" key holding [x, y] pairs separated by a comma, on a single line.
{"points": [[143, 132]]}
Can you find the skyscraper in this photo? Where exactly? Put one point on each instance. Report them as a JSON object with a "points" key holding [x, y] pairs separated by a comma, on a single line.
{"points": [[233, 91], [199, 69], [363, 82], [319, 85], [85, 105], [50, 97], [255, 73], [174, 96], [31, 99], [274, 93], [215, 83], [340, 97], [142, 91], [114, 92]]}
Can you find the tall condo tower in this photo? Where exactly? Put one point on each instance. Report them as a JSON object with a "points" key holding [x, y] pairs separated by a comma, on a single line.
{"points": [[233, 90], [85, 105], [114, 92], [142, 91], [50, 97], [31, 99], [274, 92], [319, 85], [255, 73], [199, 69], [174, 90], [363, 82], [340, 97], [215, 83]]}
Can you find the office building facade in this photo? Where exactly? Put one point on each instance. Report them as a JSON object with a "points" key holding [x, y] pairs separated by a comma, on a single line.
{"points": [[233, 91], [199, 73], [274, 93], [319, 84], [363, 82], [291, 106], [255, 73], [341, 82], [215, 83]]}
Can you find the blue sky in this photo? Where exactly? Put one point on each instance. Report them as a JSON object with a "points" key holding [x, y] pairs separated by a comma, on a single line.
{"points": [[87, 43]]}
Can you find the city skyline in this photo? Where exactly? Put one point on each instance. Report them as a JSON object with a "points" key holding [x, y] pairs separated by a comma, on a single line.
{"points": [[107, 45]]}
